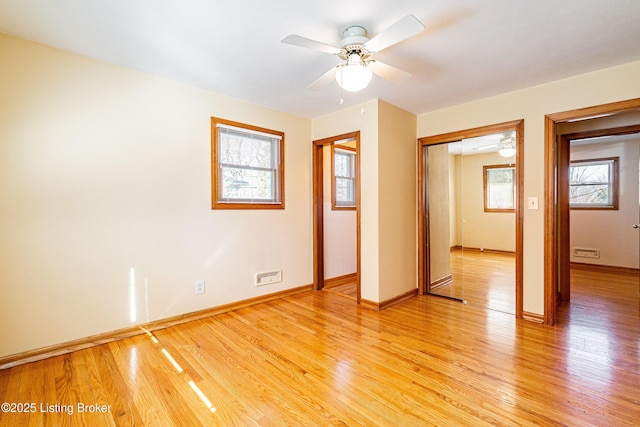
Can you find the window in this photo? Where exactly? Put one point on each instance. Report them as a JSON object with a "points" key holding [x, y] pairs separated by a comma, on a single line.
{"points": [[343, 177], [247, 166], [499, 188], [593, 184]]}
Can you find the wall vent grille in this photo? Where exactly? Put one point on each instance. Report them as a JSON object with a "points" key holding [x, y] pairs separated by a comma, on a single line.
{"points": [[268, 277], [586, 253]]}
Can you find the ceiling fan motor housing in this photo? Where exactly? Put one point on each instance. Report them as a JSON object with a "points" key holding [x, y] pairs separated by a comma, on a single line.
{"points": [[353, 39]]}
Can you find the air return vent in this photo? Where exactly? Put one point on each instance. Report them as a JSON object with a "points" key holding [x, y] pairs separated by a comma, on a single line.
{"points": [[586, 253], [268, 277]]}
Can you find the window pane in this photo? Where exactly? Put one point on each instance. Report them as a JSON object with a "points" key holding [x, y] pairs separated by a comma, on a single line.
{"points": [[501, 196], [500, 176], [248, 184], [500, 188], [590, 195], [244, 150], [344, 170], [343, 163], [590, 174], [591, 183], [345, 193]]}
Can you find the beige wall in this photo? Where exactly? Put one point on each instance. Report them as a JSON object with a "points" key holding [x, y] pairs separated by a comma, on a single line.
{"points": [[397, 180], [453, 215], [363, 118], [388, 193], [105, 183], [439, 214], [531, 104], [105, 180], [475, 227]]}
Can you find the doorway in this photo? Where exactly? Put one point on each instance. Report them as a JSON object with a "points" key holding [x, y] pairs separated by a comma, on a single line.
{"points": [[557, 226], [443, 265], [336, 214], [598, 182]]}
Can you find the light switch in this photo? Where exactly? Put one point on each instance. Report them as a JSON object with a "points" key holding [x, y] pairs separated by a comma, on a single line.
{"points": [[533, 203]]}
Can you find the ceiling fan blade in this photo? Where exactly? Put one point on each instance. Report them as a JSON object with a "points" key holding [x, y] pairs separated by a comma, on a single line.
{"points": [[486, 147], [310, 44], [323, 80], [401, 30], [387, 72]]}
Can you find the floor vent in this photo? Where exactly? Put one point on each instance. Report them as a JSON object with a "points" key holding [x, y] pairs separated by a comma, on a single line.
{"points": [[268, 277]]}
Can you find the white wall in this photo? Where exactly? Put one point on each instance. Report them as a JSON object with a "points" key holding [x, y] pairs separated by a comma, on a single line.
{"points": [[105, 171], [610, 231], [532, 104], [340, 236]]}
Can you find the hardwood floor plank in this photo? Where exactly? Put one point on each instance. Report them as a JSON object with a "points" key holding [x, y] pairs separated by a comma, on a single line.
{"points": [[123, 409], [32, 392], [129, 359]]}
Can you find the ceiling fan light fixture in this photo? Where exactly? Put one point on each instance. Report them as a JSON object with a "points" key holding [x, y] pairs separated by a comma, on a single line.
{"points": [[506, 146], [507, 152], [354, 75]]}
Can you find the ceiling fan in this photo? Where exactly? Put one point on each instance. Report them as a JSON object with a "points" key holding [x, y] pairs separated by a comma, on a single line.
{"points": [[506, 146], [354, 73]]}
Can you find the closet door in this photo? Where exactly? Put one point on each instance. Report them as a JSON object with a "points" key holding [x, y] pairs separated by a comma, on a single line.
{"points": [[470, 220]]}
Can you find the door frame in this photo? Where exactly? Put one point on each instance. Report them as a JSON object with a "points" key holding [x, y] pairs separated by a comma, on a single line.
{"points": [[318, 208], [556, 154], [423, 202]]}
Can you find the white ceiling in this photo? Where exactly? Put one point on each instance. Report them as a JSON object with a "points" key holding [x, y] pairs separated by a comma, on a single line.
{"points": [[478, 145], [470, 49]]}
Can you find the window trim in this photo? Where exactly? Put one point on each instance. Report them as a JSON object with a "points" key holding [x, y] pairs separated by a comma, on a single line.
{"points": [[334, 204], [485, 168], [613, 186], [216, 203]]}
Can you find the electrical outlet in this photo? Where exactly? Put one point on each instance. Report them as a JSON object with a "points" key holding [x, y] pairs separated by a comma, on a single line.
{"points": [[199, 287]]}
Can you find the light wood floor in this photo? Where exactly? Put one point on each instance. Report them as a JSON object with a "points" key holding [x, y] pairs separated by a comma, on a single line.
{"points": [[485, 279], [349, 289], [318, 359]]}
